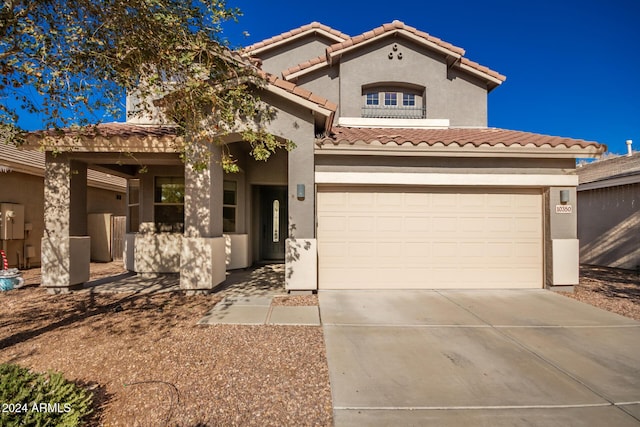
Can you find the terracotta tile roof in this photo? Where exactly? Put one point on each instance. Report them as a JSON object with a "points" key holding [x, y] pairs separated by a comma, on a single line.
{"points": [[483, 69], [446, 137], [298, 90], [392, 27], [108, 130], [308, 28], [612, 167], [305, 65]]}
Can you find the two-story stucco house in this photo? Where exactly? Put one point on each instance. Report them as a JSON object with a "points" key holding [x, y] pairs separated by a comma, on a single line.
{"points": [[395, 182]]}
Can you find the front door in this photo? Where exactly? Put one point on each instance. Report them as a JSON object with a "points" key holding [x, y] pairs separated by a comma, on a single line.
{"points": [[273, 222]]}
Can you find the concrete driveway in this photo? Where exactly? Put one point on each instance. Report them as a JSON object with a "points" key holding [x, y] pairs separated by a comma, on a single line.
{"points": [[475, 358]]}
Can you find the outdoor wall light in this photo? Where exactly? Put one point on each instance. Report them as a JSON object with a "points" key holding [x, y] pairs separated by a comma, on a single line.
{"points": [[564, 197], [300, 191]]}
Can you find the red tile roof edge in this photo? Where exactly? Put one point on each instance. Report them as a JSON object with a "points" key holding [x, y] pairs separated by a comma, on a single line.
{"points": [[483, 69], [459, 136], [108, 130], [305, 65], [311, 27], [391, 27], [298, 91]]}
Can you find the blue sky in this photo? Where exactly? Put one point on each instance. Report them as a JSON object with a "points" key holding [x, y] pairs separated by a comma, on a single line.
{"points": [[572, 67]]}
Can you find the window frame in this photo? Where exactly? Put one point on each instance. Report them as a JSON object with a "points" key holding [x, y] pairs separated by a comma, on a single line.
{"points": [[408, 99], [133, 205], [228, 206], [390, 99], [374, 97], [173, 227]]}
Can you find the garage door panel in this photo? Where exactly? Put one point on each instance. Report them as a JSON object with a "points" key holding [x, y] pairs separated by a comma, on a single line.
{"points": [[429, 238], [444, 225], [417, 224]]}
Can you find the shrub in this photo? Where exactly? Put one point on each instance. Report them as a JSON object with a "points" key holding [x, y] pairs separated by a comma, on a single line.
{"points": [[34, 399]]}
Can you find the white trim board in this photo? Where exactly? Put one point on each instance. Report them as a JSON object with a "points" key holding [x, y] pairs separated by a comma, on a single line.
{"points": [[444, 179]]}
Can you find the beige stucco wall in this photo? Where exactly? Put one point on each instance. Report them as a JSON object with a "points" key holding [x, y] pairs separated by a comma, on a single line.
{"points": [[417, 164], [28, 190], [106, 201], [280, 58], [609, 226], [449, 94]]}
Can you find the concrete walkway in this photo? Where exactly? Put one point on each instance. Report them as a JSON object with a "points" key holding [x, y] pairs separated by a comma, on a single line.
{"points": [[494, 358], [248, 295], [257, 310]]}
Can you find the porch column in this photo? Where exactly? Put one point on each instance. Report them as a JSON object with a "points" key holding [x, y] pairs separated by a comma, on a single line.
{"points": [[203, 258], [65, 244]]}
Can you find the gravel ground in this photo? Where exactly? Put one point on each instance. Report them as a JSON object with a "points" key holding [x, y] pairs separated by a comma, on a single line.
{"points": [[611, 289], [150, 364], [296, 300]]}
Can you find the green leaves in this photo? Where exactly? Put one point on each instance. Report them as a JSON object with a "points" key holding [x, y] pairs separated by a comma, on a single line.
{"points": [[73, 61]]}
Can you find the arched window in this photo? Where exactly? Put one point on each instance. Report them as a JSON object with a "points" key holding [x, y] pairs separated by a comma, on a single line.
{"points": [[394, 100]]}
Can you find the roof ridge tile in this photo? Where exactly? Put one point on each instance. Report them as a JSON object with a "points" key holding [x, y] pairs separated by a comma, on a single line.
{"points": [[310, 27]]}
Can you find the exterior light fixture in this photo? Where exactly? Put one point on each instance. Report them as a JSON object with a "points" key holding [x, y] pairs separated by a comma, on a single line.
{"points": [[564, 197], [300, 190]]}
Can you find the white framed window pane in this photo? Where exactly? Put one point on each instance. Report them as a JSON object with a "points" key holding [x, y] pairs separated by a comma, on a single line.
{"points": [[373, 98], [390, 98], [408, 99]]}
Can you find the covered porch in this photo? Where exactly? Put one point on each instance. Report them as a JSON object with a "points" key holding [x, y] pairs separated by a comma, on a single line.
{"points": [[192, 223]]}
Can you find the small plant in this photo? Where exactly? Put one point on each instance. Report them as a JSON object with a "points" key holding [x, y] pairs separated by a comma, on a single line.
{"points": [[34, 399]]}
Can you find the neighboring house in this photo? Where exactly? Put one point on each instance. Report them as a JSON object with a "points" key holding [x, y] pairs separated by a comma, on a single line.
{"points": [[609, 212], [22, 189], [396, 180]]}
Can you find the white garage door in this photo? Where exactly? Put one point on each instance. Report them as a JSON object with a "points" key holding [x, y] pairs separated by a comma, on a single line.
{"points": [[402, 238]]}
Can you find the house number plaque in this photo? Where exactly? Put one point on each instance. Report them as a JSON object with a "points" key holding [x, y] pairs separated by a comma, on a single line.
{"points": [[564, 209]]}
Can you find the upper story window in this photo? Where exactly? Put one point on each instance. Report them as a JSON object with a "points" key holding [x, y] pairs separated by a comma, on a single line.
{"points": [[390, 98], [408, 99], [391, 101]]}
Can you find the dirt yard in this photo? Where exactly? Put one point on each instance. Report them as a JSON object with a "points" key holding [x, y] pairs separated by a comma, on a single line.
{"points": [[611, 289], [150, 364]]}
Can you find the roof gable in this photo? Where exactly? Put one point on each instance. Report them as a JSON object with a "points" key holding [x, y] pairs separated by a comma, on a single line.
{"points": [[396, 28]]}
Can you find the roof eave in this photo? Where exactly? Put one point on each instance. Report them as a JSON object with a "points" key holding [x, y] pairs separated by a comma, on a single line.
{"points": [[455, 150], [488, 77], [294, 76], [325, 112]]}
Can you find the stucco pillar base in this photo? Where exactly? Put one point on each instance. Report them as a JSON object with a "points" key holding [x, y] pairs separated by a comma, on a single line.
{"points": [[65, 262], [301, 264], [566, 263], [202, 263], [147, 253]]}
